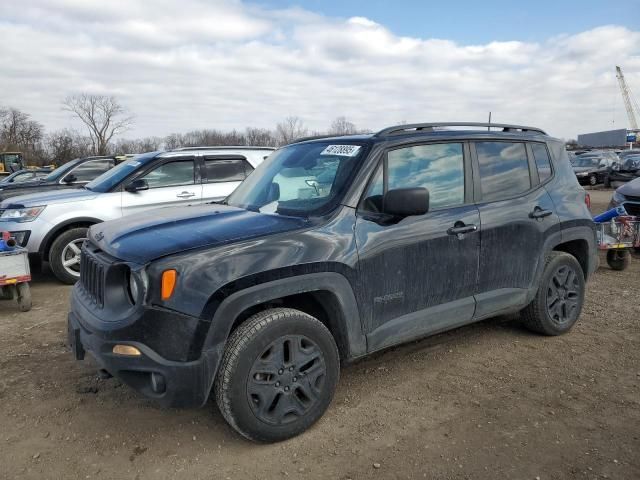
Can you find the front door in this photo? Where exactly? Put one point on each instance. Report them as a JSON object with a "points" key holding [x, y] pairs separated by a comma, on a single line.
{"points": [[418, 275], [172, 183]]}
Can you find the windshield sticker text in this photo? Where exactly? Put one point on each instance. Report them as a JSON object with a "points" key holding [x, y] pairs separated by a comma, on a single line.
{"points": [[341, 150]]}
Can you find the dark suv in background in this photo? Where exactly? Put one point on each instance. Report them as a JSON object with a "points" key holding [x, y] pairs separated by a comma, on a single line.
{"points": [[72, 174], [333, 248]]}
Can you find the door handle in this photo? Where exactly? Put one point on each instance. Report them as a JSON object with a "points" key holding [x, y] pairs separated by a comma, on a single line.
{"points": [[186, 195], [461, 229], [540, 213]]}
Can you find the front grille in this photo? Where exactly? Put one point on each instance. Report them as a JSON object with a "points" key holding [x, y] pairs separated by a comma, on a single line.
{"points": [[632, 208], [92, 277]]}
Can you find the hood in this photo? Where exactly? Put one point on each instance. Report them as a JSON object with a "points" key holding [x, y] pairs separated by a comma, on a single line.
{"points": [[25, 184], [49, 197], [630, 189], [146, 236]]}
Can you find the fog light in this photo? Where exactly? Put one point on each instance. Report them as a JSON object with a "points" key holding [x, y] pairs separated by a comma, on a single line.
{"points": [[158, 384], [126, 350]]}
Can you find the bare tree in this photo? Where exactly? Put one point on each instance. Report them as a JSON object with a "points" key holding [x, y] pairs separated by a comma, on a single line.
{"points": [[64, 145], [260, 137], [103, 116], [342, 126], [290, 130], [17, 131]]}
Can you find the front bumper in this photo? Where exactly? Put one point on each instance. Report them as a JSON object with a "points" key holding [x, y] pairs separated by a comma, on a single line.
{"points": [[170, 383]]}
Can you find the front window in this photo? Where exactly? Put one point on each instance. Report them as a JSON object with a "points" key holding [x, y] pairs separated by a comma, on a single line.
{"points": [[438, 167], [303, 179], [62, 170], [112, 178]]}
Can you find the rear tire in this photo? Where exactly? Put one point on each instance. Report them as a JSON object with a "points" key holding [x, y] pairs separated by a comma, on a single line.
{"points": [[278, 375], [558, 302], [618, 259], [64, 255]]}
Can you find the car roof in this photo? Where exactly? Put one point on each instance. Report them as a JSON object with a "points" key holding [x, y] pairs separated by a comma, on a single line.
{"points": [[435, 131]]}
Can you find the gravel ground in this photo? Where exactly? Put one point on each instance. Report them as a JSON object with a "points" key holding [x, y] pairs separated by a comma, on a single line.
{"points": [[486, 401]]}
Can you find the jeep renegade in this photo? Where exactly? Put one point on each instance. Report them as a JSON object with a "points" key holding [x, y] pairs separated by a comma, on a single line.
{"points": [[331, 249]]}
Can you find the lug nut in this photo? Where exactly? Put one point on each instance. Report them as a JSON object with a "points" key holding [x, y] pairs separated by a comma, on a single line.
{"points": [[295, 379], [277, 384], [286, 389], [281, 371], [291, 369]]}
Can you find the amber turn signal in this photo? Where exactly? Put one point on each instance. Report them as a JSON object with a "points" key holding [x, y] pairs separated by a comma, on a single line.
{"points": [[126, 350], [168, 283]]}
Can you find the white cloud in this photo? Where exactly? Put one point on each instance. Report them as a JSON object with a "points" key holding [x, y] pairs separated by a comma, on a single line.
{"points": [[181, 65]]}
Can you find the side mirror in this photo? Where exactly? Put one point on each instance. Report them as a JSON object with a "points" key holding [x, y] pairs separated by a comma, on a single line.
{"points": [[137, 185], [69, 178], [274, 192], [404, 202]]}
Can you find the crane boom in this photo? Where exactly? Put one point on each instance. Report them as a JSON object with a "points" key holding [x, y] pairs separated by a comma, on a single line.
{"points": [[626, 97]]}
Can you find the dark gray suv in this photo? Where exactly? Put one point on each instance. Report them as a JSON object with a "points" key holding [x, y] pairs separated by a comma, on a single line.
{"points": [[333, 248]]}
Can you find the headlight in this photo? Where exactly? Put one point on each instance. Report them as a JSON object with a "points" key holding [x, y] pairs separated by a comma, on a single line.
{"points": [[617, 198], [137, 285], [28, 214], [134, 291]]}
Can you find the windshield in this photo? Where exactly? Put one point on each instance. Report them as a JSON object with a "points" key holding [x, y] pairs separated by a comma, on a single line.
{"points": [[302, 180], [586, 161], [62, 170], [117, 174]]}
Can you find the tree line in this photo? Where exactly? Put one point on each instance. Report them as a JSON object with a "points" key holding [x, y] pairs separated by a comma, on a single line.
{"points": [[105, 121]]}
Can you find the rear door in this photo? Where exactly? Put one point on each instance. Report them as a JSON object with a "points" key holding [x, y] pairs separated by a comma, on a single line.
{"points": [[172, 182], [222, 174], [516, 215]]}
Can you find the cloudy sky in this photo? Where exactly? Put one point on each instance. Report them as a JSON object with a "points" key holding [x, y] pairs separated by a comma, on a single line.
{"points": [[180, 65]]}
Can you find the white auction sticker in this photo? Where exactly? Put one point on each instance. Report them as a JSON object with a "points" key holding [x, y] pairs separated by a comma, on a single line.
{"points": [[341, 150]]}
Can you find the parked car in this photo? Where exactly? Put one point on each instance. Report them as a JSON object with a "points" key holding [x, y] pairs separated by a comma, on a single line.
{"points": [[332, 249], [629, 196], [53, 225], [591, 168], [22, 176], [625, 153], [625, 171], [73, 174]]}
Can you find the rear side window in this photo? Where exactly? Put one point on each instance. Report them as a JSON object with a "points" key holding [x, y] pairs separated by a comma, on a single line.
{"points": [[504, 169], [543, 162], [227, 170]]}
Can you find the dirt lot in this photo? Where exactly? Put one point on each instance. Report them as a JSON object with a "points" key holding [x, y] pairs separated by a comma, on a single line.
{"points": [[486, 401]]}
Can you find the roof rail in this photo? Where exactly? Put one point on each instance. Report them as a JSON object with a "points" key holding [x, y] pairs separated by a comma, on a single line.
{"points": [[430, 127], [223, 147], [313, 137]]}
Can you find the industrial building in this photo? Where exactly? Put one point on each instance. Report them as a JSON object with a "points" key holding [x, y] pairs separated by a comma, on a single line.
{"points": [[620, 138]]}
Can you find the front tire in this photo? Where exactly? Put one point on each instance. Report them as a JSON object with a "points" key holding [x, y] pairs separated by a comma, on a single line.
{"points": [[64, 255], [558, 302], [278, 375]]}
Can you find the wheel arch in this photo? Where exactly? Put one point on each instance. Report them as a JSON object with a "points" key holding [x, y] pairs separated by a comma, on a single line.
{"points": [[45, 245], [327, 296]]}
